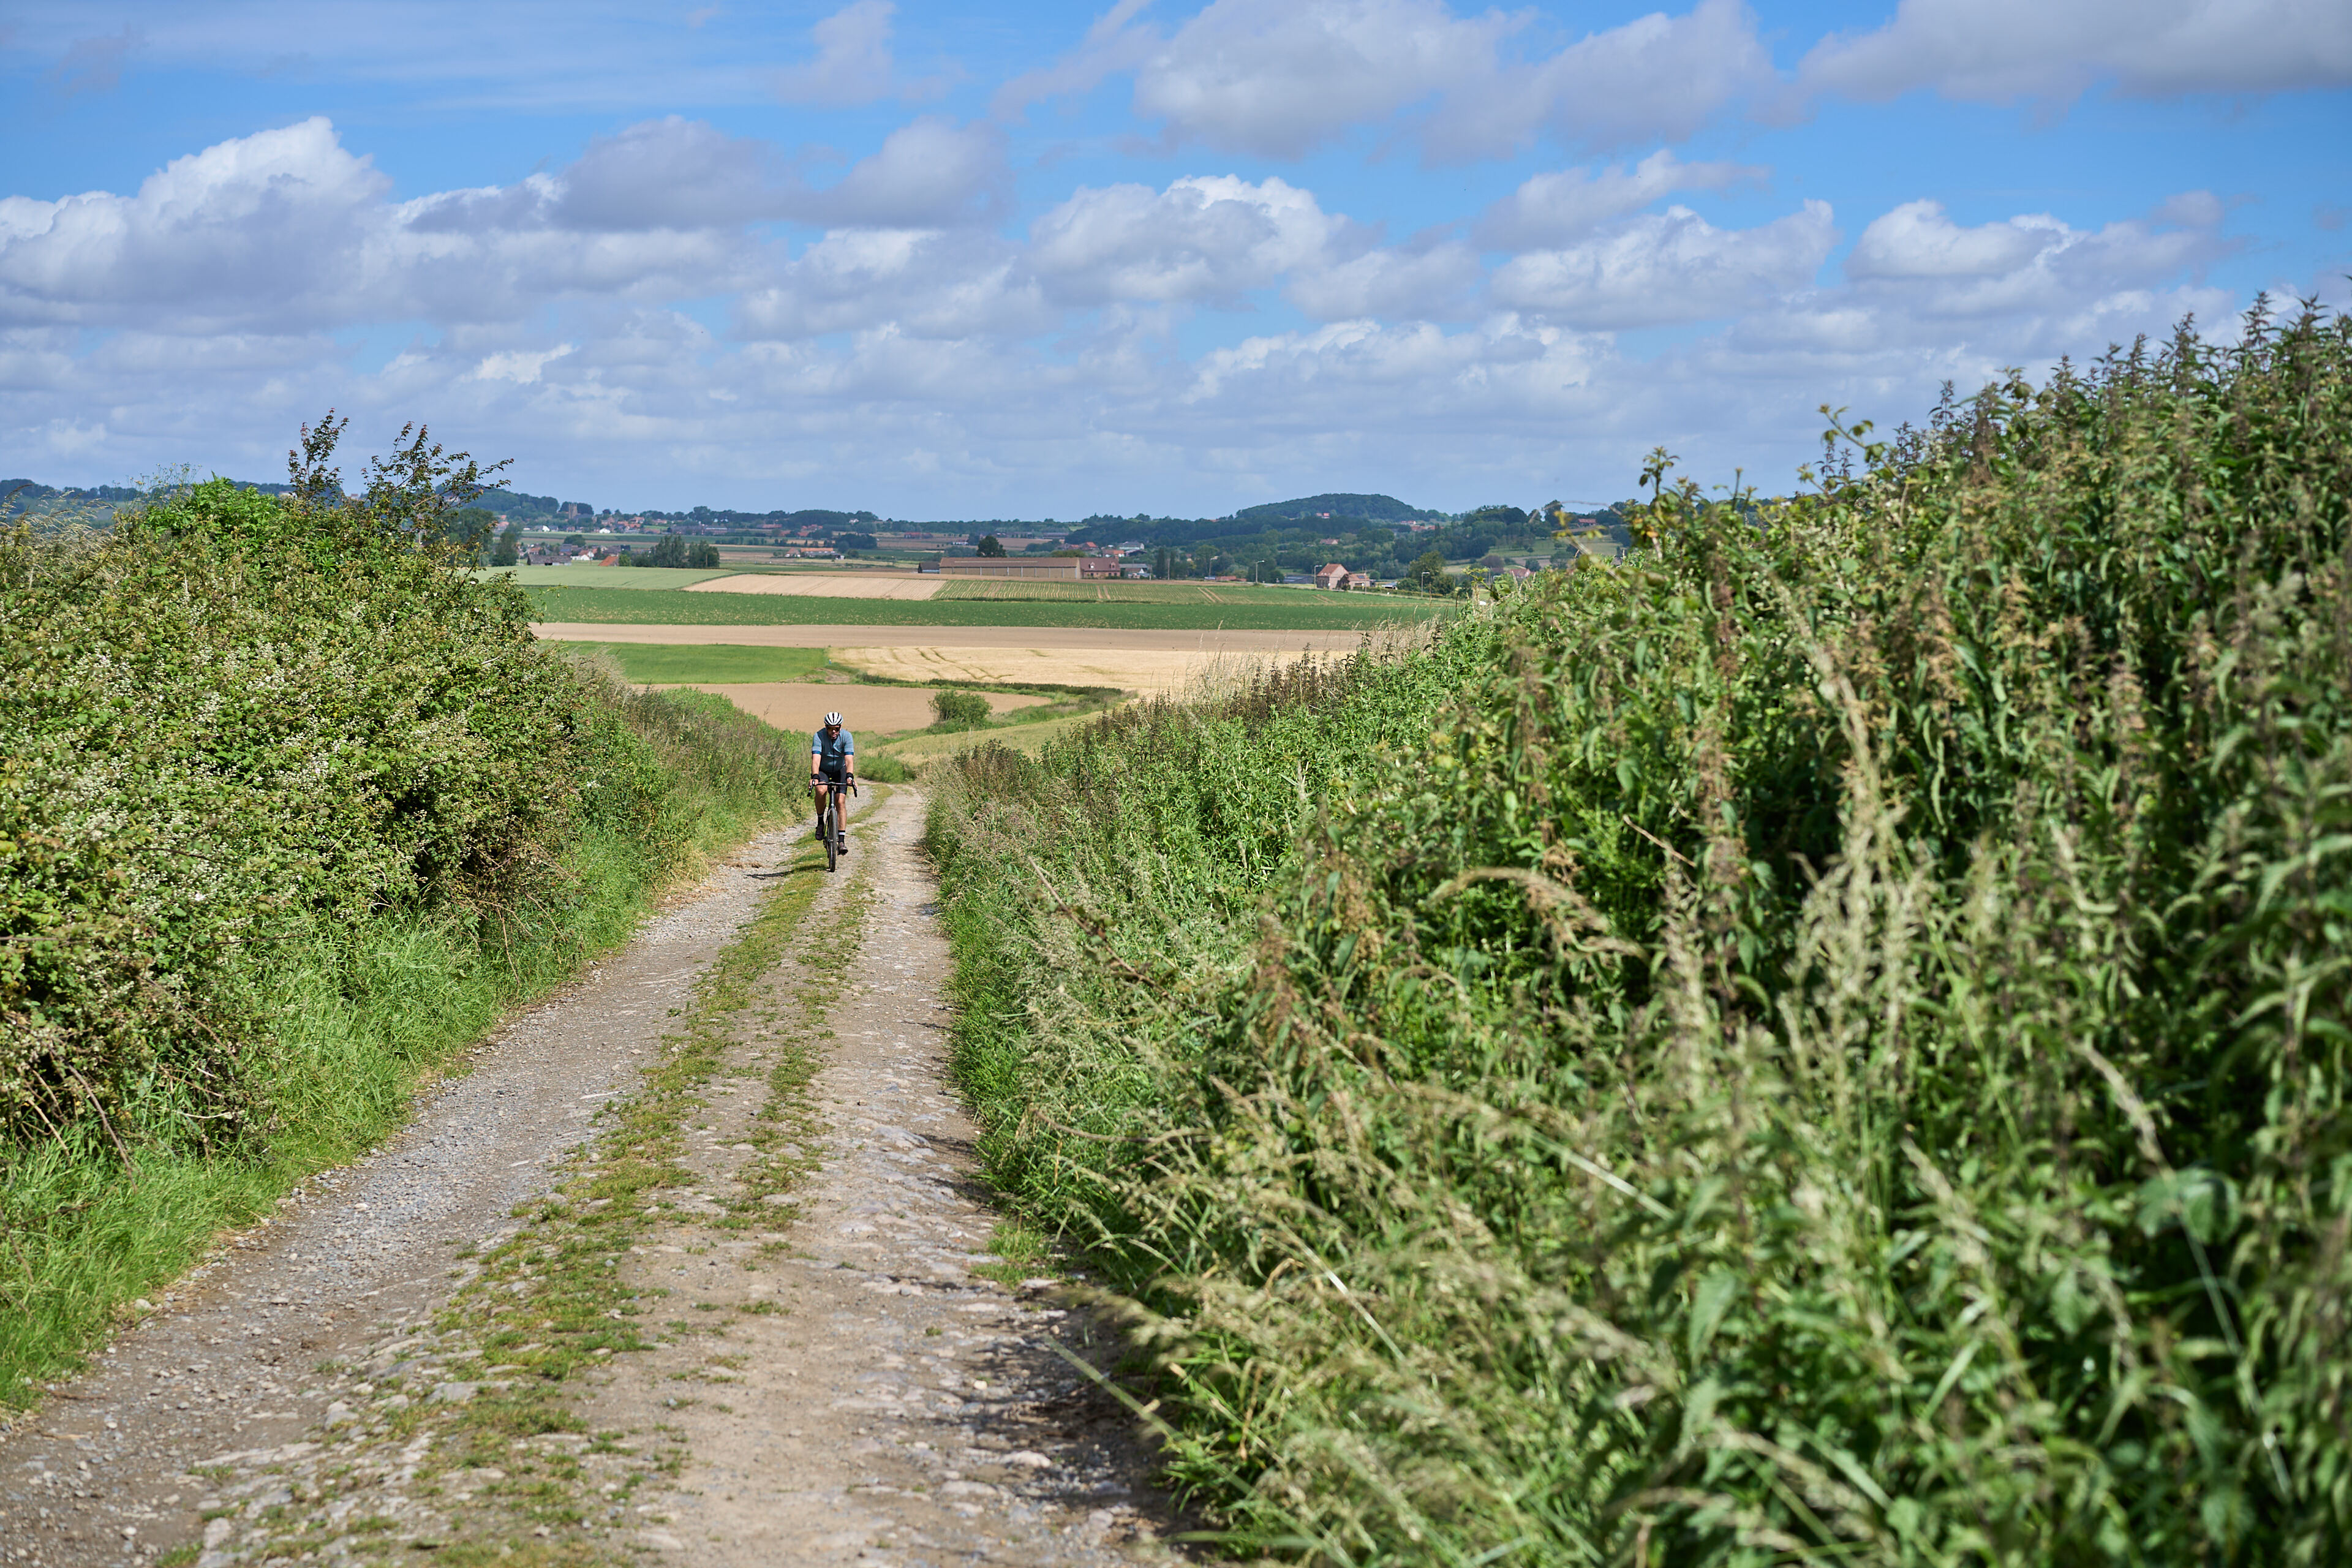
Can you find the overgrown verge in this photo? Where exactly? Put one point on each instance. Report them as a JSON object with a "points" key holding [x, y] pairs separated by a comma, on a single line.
{"points": [[1824, 1039], [289, 810]]}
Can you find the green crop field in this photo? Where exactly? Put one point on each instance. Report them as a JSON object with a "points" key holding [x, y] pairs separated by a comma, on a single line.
{"points": [[712, 664], [1126, 593], [628, 579], [1278, 612]]}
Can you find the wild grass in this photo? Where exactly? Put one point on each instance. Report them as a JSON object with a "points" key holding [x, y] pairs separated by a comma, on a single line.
{"points": [[1822, 1040], [709, 664]]}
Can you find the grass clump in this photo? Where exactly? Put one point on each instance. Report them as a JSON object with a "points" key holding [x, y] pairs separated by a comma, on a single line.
{"points": [[1823, 1039], [291, 808]]}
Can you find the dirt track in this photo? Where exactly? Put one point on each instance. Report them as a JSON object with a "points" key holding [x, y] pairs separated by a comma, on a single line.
{"points": [[850, 1388]]}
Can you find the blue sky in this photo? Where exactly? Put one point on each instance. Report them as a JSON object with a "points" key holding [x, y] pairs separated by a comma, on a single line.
{"points": [[943, 260]]}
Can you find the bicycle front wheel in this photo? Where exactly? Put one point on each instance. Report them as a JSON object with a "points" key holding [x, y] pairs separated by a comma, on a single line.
{"points": [[832, 837]]}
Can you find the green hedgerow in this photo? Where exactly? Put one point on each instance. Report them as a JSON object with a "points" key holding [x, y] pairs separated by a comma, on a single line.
{"points": [[237, 721]]}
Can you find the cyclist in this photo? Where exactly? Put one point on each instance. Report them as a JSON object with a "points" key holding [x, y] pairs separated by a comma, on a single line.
{"points": [[833, 764]]}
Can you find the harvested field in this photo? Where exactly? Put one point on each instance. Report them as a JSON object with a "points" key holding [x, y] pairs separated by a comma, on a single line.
{"points": [[1261, 609], [1130, 669], [833, 635], [825, 584], [1014, 656], [795, 706]]}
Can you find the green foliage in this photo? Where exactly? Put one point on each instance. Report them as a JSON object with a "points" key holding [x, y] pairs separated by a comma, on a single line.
{"points": [[1322, 507], [1427, 575], [1824, 1039], [705, 664], [675, 550], [960, 709], [242, 721], [467, 531], [290, 809], [991, 546]]}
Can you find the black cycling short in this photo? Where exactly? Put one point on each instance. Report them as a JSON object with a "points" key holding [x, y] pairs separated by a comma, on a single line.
{"points": [[832, 775]]}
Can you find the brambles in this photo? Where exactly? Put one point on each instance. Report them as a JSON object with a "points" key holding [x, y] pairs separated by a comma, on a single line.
{"points": [[1824, 1037]]}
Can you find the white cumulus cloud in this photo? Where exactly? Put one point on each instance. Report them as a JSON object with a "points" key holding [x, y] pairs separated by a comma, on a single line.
{"points": [[1203, 238], [1667, 267], [1278, 77], [2032, 264], [1556, 207], [274, 227], [2000, 51]]}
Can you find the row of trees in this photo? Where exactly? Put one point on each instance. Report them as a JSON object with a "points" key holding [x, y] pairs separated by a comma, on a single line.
{"points": [[470, 529]]}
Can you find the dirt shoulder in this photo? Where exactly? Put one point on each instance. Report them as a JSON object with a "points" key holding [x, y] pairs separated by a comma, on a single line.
{"points": [[739, 1322]]}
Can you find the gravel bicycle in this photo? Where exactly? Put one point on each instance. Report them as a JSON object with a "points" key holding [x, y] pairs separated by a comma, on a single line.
{"points": [[829, 820]]}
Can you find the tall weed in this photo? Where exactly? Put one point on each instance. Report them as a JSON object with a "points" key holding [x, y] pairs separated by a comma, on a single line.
{"points": [[1824, 1038]]}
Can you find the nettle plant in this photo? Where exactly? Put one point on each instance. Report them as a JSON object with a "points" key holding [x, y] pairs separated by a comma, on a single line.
{"points": [[1831, 1043]]}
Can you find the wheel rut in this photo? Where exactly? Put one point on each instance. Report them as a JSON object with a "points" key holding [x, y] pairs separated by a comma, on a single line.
{"points": [[774, 1350]]}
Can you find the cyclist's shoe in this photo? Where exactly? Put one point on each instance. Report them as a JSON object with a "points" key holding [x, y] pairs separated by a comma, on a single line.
{"points": [[845, 844]]}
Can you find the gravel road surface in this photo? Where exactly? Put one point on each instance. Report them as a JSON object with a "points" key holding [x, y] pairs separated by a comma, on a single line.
{"points": [[895, 1407]]}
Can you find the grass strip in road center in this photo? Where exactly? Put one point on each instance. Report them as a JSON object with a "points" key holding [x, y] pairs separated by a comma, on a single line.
{"points": [[486, 1457]]}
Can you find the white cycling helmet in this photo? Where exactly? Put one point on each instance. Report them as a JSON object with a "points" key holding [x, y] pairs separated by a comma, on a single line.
{"points": [[833, 721]]}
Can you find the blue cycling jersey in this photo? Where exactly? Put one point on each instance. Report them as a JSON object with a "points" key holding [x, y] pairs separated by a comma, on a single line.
{"points": [[833, 752]]}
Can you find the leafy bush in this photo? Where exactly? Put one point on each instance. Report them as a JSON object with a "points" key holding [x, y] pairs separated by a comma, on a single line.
{"points": [[241, 723], [289, 812], [959, 709], [1824, 1038], [676, 551]]}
